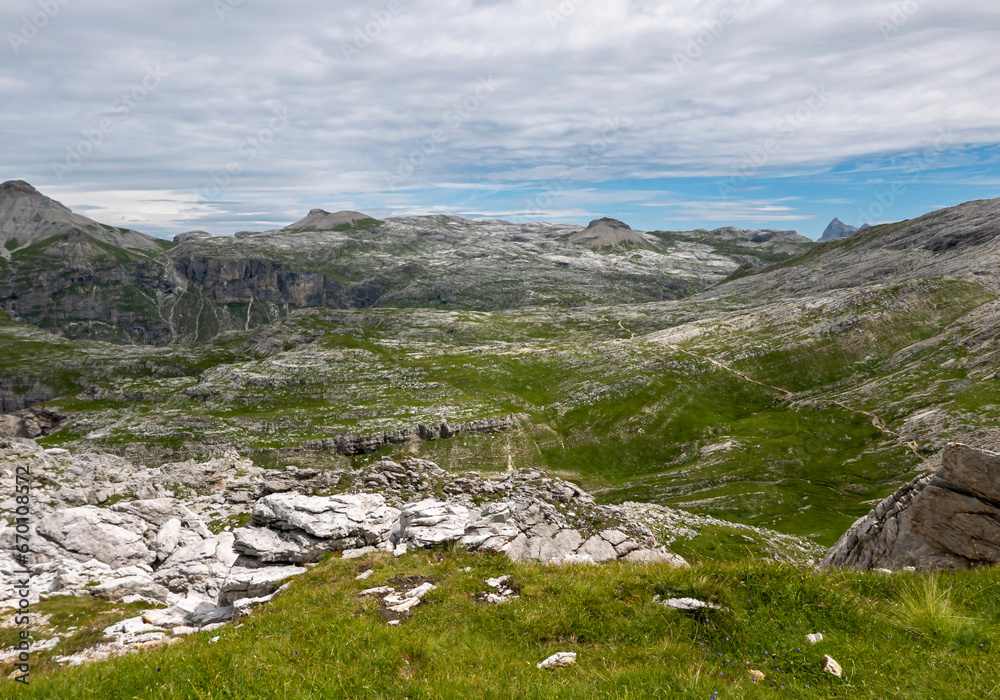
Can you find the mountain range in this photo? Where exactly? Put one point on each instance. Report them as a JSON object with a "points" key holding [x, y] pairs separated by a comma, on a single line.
{"points": [[67, 273], [753, 376]]}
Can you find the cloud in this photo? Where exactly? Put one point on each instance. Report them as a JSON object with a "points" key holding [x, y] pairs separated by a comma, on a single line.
{"points": [[696, 87]]}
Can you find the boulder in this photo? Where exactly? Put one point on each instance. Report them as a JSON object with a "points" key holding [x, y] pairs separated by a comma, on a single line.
{"points": [[134, 587], [561, 659], [432, 522], [167, 539], [117, 539], [598, 549], [949, 519], [271, 546], [159, 511], [364, 518], [655, 556], [199, 568], [188, 612], [255, 583]]}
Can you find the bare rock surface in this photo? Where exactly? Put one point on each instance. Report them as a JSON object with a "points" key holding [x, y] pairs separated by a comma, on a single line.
{"points": [[949, 518], [105, 527]]}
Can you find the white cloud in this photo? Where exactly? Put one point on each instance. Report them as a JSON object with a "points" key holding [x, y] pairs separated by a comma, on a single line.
{"points": [[352, 121]]}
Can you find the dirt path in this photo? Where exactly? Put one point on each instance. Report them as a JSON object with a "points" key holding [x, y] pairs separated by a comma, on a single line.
{"points": [[788, 394], [877, 422]]}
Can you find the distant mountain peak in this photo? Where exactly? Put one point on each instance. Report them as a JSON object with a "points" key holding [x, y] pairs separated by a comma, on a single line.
{"points": [[613, 223], [322, 220], [28, 216], [605, 233], [837, 230], [16, 187]]}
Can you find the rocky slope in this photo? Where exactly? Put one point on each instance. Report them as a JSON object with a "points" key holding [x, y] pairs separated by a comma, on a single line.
{"points": [[961, 242], [27, 216]]}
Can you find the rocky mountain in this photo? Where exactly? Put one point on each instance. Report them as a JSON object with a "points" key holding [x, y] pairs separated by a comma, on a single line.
{"points": [[837, 230], [87, 281], [959, 242], [320, 220], [607, 233], [27, 217]]}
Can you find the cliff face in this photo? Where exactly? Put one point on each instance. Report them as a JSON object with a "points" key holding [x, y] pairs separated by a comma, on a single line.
{"points": [[80, 286], [243, 281]]}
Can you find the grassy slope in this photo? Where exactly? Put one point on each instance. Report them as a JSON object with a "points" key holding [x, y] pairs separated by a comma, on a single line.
{"points": [[895, 636]]}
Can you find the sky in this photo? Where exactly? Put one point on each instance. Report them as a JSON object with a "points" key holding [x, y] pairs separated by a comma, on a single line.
{"points": [[233, 115]]}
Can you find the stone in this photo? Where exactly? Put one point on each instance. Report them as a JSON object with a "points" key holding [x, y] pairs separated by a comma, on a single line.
{"points": [[143, 587], [167, 539], [814, 638], [272, 546], [432, 522], [832, 667], [615, 537], [199, 568], [188, 612], [364, 575], [599, 549], [554, 549], [358, 553], [244, 606], [949, 519], [160, 511], [560, 659], [687, 604], [655, 556], [255, 583], [756, 676], [364, 519], [380, 590], [117, 539]]}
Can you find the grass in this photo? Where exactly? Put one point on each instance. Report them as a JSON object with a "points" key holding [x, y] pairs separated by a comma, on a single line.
{"points": [[319, 640]]}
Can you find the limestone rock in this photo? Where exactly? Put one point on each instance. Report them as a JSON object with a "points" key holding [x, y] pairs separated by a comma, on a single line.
{"points": [[432, 522], [686, 604], [141, 586], [365, 518], [199, 568], [188, 612], [561, 659], [947, 519], [113, 538], [599, 549], [832, 667], [255, 583], [655, 556]]}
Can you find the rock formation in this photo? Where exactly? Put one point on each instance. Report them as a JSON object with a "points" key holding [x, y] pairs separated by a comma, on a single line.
{"points": [[607, 233], [320, 220], [350, 444], [104, 527], [947, 519], [27, 216]]}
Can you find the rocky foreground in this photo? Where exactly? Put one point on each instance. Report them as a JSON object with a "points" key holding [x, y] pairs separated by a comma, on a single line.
{"points": [[205, 543]]}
